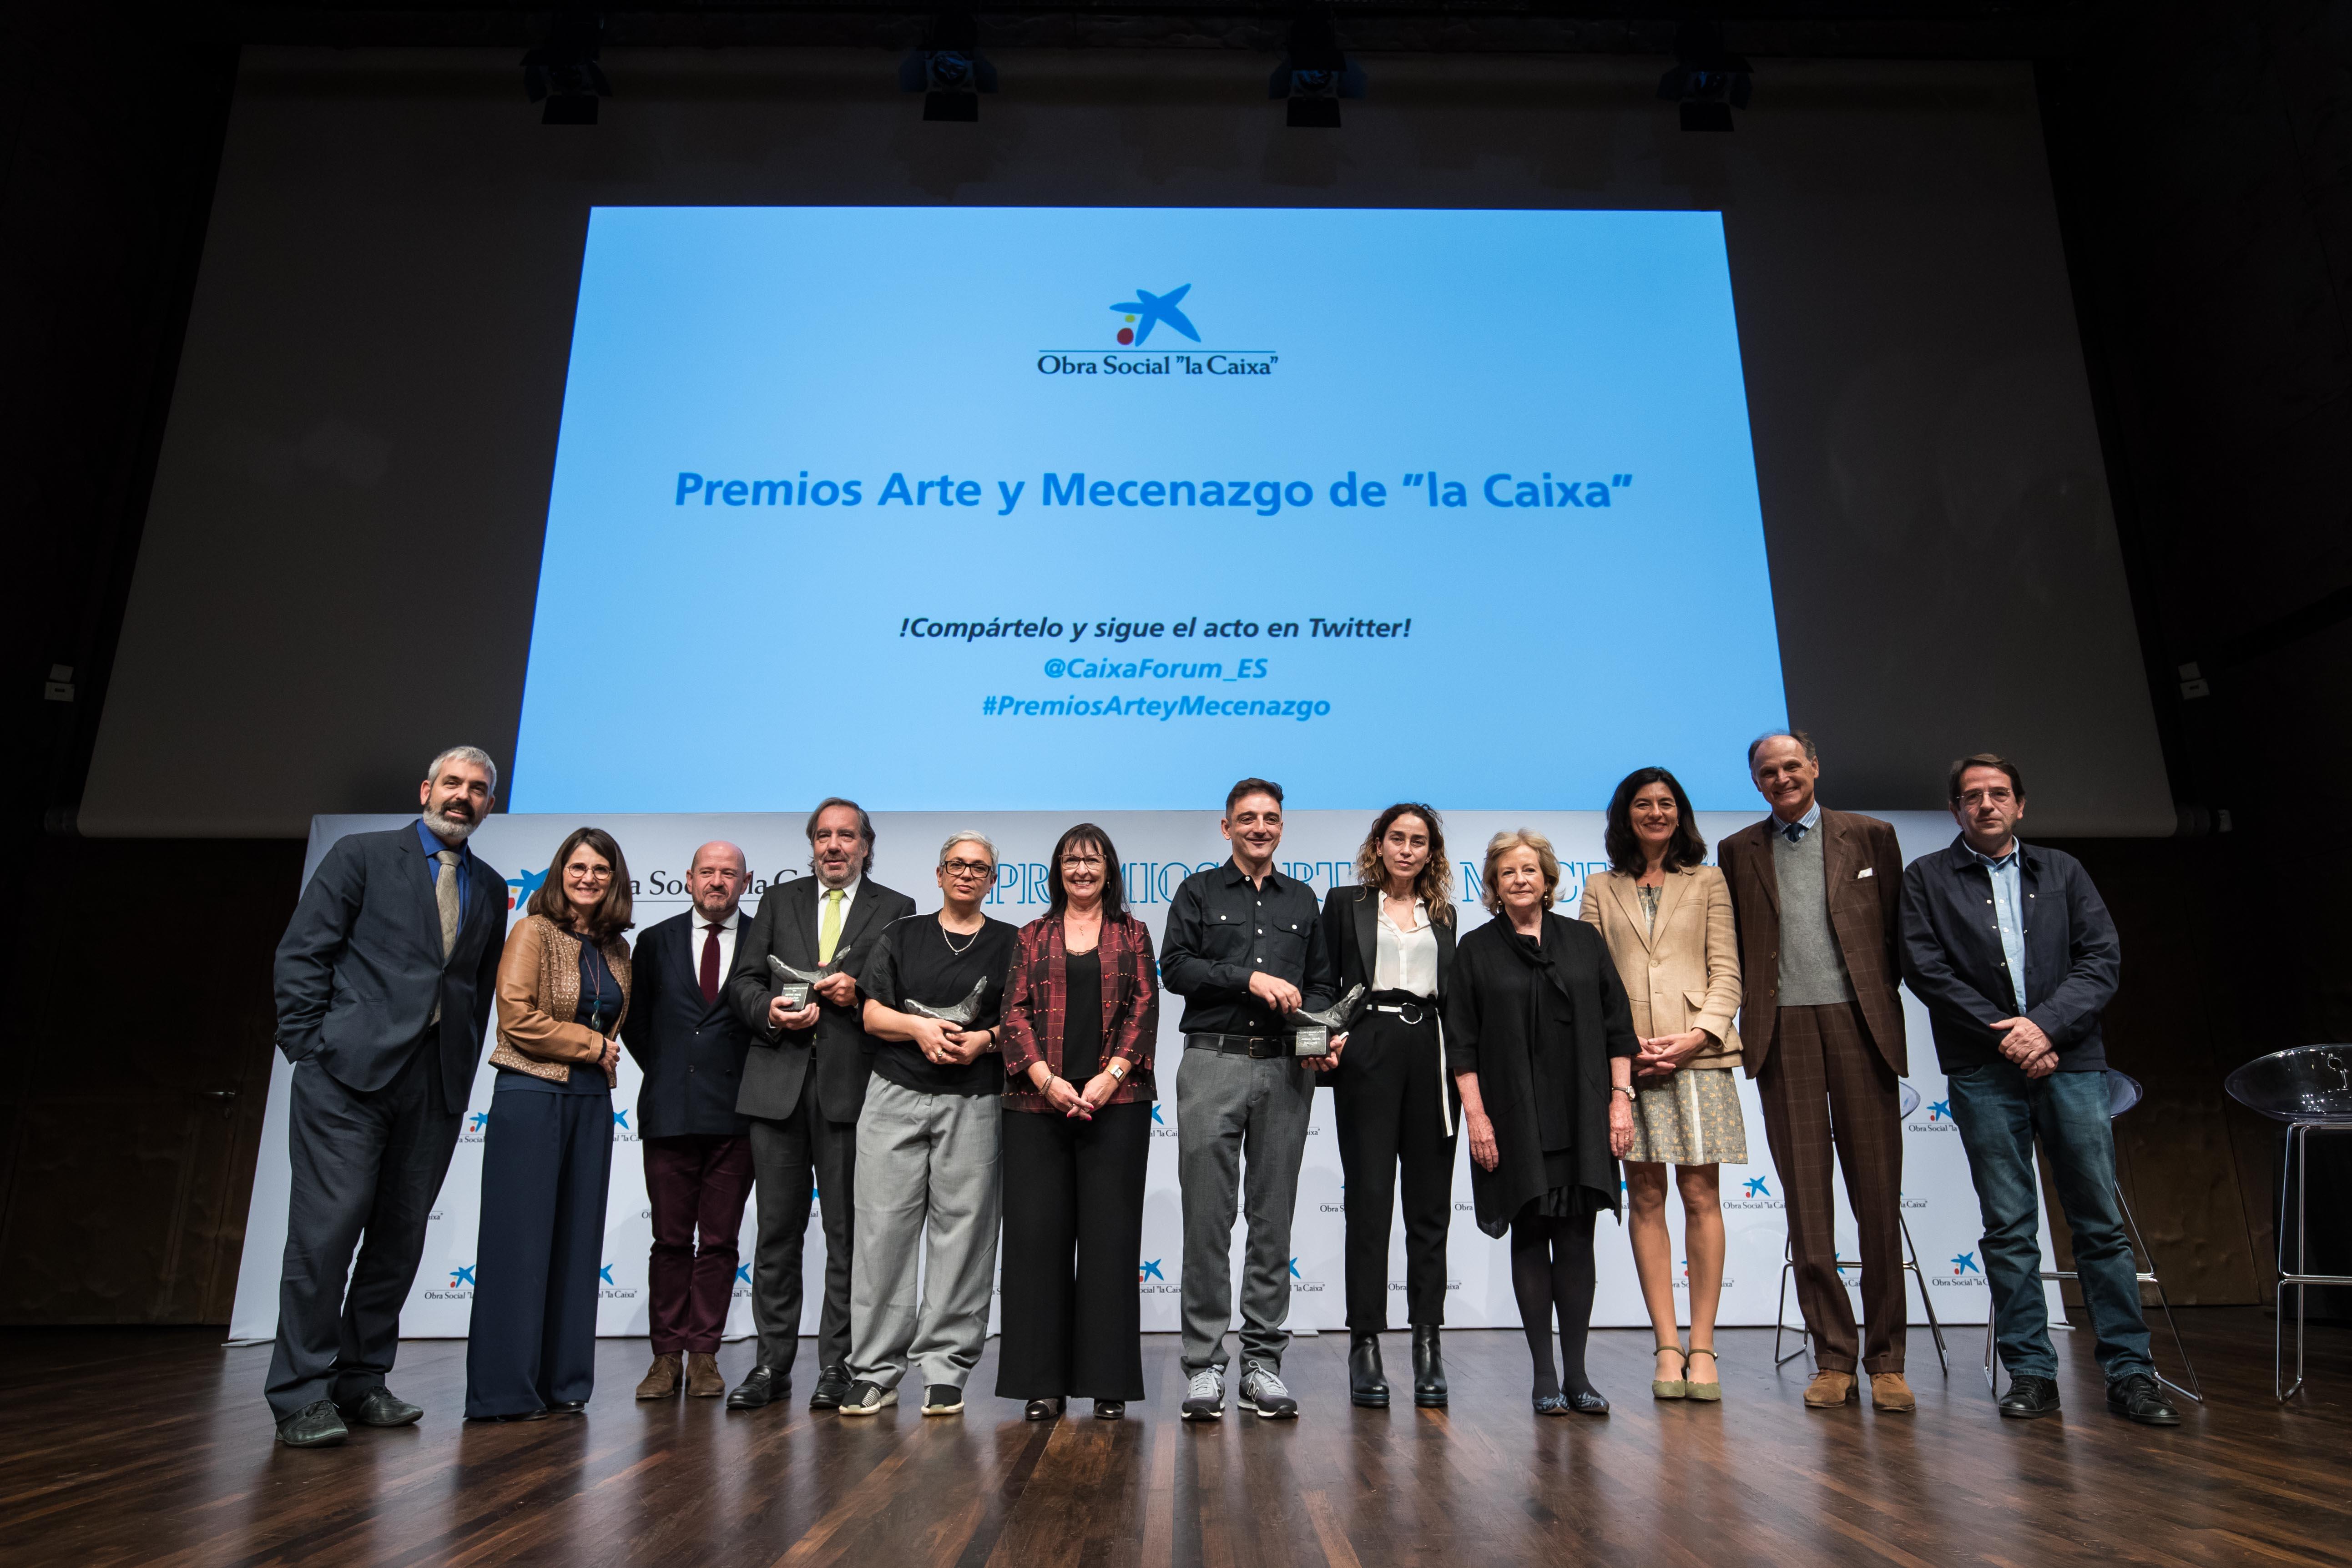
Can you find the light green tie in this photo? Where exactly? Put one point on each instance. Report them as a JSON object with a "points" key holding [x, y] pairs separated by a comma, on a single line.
{"points": [[828, 929]]}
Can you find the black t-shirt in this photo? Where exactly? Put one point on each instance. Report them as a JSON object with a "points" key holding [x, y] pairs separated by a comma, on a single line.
{"points": [[918, 958], [1082, 1037]]}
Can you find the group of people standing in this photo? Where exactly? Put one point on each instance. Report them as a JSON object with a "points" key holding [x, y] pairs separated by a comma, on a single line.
{"points": [[940, 1082]]}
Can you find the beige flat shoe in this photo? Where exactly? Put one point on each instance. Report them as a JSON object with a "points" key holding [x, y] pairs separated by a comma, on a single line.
{"points": [[1672, 1388], [1708, 1393]]}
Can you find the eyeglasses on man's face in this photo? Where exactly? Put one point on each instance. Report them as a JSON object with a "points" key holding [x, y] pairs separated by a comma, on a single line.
{"points": [[963, 869]]}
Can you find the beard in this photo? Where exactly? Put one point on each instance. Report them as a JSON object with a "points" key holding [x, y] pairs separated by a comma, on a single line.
{"points": [[452, 830]]}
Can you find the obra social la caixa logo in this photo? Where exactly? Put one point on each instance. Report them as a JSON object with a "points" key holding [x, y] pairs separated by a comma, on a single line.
{"points": [[475, 1127], [611, 1289], [1136, 355], [1751, 1193], [460, 1285], [1966, 1274], [1152, 1278], [523, 886]]}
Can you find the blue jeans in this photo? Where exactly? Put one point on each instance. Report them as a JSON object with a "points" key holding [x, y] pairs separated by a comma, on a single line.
{"points": [[1999, 1111]]}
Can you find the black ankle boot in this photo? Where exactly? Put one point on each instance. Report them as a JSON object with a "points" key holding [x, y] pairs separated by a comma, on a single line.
{"points": [[1428, 1367], [1367, 1384]]}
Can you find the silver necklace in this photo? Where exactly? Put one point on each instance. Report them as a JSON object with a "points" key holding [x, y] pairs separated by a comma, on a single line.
{"points": [[959, 951]]}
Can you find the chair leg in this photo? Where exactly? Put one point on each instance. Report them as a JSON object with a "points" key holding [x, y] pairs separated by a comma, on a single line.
{"points": [[2193, 1391], [1934, 1328], [1780, 1318]]}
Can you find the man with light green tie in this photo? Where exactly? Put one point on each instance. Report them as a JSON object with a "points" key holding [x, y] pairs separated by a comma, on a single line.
{"points": [[804, 1085]]}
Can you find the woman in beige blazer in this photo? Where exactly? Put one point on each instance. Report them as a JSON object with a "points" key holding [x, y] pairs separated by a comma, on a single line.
{"points": [[1667, 916], [547, 1154]]}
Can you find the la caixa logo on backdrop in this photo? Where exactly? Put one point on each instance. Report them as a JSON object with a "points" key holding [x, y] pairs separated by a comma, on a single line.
{"points": [[1135, 356], [459, 1285]]}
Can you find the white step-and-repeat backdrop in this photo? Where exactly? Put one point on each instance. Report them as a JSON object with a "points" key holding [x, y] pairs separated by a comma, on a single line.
{"points": [[1158, 850]]}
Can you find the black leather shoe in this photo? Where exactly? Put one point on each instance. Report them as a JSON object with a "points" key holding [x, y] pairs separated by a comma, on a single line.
{"points": [[1428, 1368], [2141, 1398], [2030, 1398], [1368, 1386], [315, 1425], [568, 1408], [761, 1385], [378, 1408], [1587, 1402], [832, 1387]]}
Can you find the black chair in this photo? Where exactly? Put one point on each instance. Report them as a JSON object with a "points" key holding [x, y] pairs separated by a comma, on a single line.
{"points": [[1781, 1324], [2123, 1093], [2308, 1088]]}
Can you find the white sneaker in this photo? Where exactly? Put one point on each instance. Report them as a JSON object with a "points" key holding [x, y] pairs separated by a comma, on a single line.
{"points": [[1204, 1396], [1262, 1391]]}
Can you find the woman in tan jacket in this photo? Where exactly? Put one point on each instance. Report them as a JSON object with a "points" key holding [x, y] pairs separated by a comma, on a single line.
{"points": [[1667, 916], [547, 1157]]}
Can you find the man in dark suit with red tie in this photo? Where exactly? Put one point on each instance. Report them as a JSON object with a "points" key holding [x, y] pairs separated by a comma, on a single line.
{"points": [[690, 1043], [1815, 894]]}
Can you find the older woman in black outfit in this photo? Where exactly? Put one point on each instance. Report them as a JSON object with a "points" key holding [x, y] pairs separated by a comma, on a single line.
{"points": [[1541, 1041], [1081, 1011], [1393, 934]]}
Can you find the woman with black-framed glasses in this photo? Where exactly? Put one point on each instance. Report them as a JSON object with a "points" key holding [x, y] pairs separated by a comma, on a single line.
{"points": [[1081, 1013], [929, 1143]]}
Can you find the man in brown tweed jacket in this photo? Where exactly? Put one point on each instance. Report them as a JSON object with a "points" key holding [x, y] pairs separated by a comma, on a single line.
{"points": [[1814, 895]]}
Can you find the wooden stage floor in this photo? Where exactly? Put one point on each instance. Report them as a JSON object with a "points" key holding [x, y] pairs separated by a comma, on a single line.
{"points": [[153, 1447]]}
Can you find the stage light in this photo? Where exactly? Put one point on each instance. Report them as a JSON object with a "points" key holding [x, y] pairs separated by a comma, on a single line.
{"points": [[1707, 80], [948, 70], [1314, 75], [564, 70]]}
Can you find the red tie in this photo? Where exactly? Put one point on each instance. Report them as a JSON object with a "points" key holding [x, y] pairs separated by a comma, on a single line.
{"points": [[709, 964]]}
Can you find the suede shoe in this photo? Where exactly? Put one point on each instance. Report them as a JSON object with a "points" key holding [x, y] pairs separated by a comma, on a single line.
{"points": [[2141, 1398], [380, 1407], [702, 1379], [1829, 1390], [315, 1425], [759, 1386], [1889, 1392], [661, 1379], [2030, 1398], [832, 1387]]}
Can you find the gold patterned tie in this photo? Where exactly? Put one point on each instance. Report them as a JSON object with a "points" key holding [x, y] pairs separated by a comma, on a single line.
{"points": [[445, 895], [828, 931]]}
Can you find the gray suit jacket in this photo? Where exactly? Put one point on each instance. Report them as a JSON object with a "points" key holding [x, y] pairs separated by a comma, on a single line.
{"points": [[360, 968], [837, 1044]]}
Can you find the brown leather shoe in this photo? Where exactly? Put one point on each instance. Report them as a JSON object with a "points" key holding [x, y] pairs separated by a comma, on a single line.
{"points": [[702, 1379], [1829, 1390], [1889, 1392], [661, 1378]]}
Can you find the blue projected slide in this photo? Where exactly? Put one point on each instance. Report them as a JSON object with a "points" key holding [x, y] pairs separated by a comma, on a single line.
{"points": [[1094, 508]]}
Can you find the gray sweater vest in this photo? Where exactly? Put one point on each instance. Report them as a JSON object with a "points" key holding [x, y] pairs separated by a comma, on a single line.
{"points": [[1813, 971]]}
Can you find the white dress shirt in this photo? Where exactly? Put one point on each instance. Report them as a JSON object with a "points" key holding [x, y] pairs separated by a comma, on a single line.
{"points": [[1405, 959], [726, 942]]}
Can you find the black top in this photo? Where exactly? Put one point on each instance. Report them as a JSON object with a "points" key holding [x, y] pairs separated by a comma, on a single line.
{"points": [[1082, 1015], [1537, 1022], [916, 958], [1953, 960], [600, 1003], [1222, 930]]}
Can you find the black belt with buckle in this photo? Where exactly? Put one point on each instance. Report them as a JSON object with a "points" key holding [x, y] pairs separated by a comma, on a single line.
{"points": [[1258, 1048]]}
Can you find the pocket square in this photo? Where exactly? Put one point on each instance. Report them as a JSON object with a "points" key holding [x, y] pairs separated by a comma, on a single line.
{"points": [[1865, 871]]}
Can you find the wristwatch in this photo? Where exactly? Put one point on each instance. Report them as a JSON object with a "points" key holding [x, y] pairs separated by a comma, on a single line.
{"points": [[1117, 1072], [1624, 1088]]}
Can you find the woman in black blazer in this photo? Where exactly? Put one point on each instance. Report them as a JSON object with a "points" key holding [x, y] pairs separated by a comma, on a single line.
{"points": [[1392, 933], [1542, 1046]]}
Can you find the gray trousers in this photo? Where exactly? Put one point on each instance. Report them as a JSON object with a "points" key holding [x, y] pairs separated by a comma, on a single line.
{"points": [[367, 1166], [1241, 1127], [928, 1176]]}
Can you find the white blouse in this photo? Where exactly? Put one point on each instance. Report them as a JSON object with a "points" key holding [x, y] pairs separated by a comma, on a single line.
{"points": [[1405, 959]]}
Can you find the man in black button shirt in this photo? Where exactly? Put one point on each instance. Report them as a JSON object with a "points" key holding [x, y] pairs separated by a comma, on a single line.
{"points": [[1245, 946]]}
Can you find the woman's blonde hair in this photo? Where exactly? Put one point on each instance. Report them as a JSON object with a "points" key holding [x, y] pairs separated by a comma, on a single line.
{"points": [[1502, 844]]}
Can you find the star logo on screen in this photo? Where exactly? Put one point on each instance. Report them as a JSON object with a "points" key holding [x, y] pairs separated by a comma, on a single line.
{"points": [[1148, 310]]}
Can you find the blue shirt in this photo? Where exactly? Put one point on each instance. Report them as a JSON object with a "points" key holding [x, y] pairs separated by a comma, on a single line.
{"points": [[1793, 831], [433, 867], [2008, 913]]}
